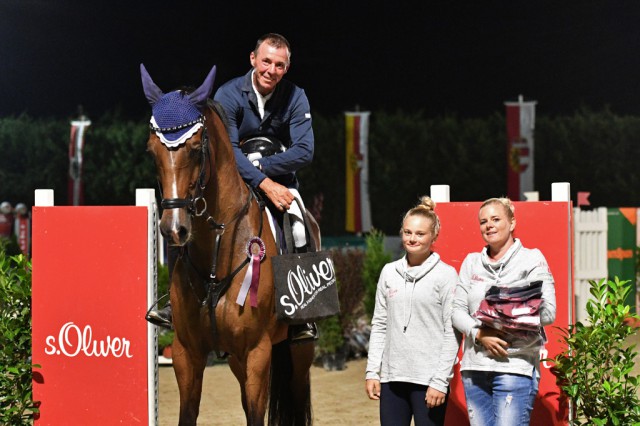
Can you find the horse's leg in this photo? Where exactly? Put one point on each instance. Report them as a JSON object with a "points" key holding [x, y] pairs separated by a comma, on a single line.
{"points": [[239, 370], [256, 384], [188, 368], [301, 360]]}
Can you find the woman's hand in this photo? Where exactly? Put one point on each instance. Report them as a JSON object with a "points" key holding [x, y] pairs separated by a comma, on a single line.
{"points": [[434, 397], [372, 387], [491, 340]]}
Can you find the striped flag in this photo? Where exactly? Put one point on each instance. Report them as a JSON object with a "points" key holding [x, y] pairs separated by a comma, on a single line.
{"points": [[76, 144], [358, 212], [521, 118]]}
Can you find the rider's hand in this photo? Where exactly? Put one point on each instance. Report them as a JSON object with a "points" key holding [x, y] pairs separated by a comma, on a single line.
{"points": [[279, 195]]}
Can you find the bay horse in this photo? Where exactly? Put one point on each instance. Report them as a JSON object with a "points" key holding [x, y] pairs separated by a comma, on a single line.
{"points": [[212, 215]]}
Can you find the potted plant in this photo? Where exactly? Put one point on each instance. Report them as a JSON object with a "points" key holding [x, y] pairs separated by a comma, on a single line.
{"points": [[165, 339], [595, 369]]}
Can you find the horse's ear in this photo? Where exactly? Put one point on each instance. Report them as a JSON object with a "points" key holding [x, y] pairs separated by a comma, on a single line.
{"points": [[199, 96], [151, 91]]}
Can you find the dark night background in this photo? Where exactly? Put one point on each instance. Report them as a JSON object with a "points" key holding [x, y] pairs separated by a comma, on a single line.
{"points": [[465, 58]]}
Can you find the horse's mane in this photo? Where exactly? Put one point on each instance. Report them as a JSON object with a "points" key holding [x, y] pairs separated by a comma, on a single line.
{"points": [[217, 107]]}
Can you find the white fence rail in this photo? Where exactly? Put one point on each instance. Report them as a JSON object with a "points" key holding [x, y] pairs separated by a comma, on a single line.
{"points": [[590, 253]]}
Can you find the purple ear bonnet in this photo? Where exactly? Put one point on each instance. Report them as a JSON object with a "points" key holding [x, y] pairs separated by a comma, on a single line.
{"points": [[176, 115]]}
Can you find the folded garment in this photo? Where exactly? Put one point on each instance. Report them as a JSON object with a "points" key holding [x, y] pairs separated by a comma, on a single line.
{"points": [[525, 312], [516, 309], [515, 293], [530, 324]]}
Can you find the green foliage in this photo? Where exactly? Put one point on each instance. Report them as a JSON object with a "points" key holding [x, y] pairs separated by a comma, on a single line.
{"points": [[332, 331], [408, 151], [325, 176], [375, 259], [116, 161], [610, 140], [331, 335], [348, 264], [163, 284], [165, 338], [595, 370], [10, 246], [34, 155], [467, 153], [16, 397]]}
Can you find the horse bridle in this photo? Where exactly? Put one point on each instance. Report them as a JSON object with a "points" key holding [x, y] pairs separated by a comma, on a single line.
{"points": [[190, 203], [197, 206]]}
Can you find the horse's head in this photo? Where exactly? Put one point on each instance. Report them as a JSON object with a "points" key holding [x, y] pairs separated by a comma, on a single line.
{"points": [[179, 144]]}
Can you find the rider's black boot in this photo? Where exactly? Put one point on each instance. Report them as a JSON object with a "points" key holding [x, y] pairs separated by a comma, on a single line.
{"points": [[161, 317], [303, 333]]}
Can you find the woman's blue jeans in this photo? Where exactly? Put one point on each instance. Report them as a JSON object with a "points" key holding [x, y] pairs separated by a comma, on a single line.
{"points": [[499, 399]]}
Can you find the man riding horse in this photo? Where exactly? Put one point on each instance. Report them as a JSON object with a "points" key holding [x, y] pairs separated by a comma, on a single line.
{"points": [[262, 110]]}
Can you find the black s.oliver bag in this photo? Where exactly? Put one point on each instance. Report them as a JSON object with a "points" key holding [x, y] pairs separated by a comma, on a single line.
{"points": [[305, 283]]}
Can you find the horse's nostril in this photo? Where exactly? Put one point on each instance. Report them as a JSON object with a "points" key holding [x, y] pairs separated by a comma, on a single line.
{"points": [[183, 232]]}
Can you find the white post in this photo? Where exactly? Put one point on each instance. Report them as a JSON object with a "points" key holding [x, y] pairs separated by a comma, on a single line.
{"points": [[440, 193], [532, 195], [561, 191], [44, 197], [146, 197]]}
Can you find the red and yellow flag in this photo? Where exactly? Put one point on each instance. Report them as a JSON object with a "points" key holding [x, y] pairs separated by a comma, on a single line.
{"points": [[358, 211], [520, 125]]}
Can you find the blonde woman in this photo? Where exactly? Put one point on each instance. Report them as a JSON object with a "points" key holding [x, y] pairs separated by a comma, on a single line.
{"points": [[413, 345], [500, 373]]}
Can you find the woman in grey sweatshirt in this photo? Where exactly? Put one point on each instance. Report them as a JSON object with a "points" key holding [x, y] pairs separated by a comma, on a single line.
{"points": [[413, 345], [500, 379]]}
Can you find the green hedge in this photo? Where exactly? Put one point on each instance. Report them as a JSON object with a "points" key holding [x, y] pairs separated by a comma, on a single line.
{"points": [[16, 397], [595, 151]]}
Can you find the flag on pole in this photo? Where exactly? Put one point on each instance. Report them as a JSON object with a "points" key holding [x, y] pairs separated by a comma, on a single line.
{"points": [[583, 199], [358, 211], [520, 159], [22, 228], [76, 144]]}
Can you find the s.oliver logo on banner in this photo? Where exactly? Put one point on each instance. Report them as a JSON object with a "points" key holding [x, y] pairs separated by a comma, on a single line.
{"points": [[305, 286], [73, 341]]}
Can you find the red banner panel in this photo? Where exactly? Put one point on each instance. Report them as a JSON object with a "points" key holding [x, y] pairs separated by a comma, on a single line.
{"points": [[543, 225], [89, 302]]}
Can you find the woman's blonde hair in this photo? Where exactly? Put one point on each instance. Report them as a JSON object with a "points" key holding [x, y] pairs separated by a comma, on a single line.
{"points": [[425, 208], [509, 208]]}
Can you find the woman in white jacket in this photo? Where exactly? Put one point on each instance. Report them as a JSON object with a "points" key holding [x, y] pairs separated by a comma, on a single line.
{"points": [[500, 374], [413, 345]]}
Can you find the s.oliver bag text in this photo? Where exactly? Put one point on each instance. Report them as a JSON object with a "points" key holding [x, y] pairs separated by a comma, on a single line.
{"points": [[305, 283]]}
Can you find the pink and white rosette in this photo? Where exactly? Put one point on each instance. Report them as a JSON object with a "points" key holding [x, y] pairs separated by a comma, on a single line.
{"points": [[256, 251]]}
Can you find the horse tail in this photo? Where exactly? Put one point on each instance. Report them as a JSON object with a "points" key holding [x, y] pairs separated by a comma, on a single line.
{"points": [[289, 396]]}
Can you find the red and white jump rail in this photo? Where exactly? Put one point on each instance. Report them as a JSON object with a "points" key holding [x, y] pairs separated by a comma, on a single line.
{"points": [[94, 276]]}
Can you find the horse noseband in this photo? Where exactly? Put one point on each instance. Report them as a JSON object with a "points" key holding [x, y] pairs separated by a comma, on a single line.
{"points": [[195, 205]]}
